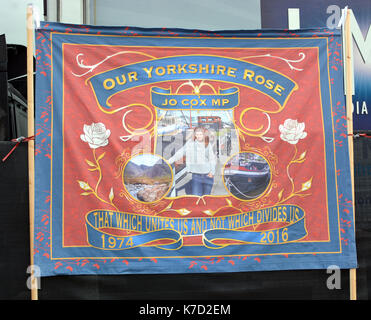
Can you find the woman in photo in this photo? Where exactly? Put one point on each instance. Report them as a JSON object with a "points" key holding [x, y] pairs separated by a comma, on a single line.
{"points": [[200, 161]]}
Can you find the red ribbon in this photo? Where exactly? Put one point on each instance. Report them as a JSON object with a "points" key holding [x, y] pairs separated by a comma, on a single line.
{"points": [[364, 135], [356, 135], [18, 140]]}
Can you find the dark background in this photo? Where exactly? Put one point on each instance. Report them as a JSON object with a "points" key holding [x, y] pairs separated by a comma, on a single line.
{"points": [[268, 285], [315, 13]]}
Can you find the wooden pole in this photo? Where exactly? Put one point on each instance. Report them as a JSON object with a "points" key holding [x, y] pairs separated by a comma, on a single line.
{"points": [[349, 108], [31, 144]]}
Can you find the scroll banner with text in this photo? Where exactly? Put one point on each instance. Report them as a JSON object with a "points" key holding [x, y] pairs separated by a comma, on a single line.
{"points": [[212, 228], [191, 153]]}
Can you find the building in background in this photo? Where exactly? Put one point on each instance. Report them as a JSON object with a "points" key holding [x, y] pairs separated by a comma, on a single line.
{"points": [[205, 15], [327, 13]]}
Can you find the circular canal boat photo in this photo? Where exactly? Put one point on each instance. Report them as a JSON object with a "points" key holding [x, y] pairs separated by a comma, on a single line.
{"points": [[246, 175]]}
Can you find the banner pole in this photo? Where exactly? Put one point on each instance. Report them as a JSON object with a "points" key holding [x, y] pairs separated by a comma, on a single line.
{"points": [[349, 108], [31, 144]]}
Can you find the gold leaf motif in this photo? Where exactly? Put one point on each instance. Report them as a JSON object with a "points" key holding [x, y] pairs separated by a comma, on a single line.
{"points": [[84, 185], [302, 156], [183, 211], [101, 156], [169, 206], [209, 212], [90, 163], [306, 185], [111, 195]]}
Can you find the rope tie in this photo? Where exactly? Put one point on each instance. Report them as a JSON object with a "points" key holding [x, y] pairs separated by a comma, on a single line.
{"points": [[19, 141]]}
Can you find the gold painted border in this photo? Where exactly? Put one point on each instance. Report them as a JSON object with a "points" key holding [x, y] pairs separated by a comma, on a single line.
{"points": [[260, 254]]}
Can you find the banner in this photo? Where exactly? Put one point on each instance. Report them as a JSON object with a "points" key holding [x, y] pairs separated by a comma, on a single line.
{"points": [[175, 151]]}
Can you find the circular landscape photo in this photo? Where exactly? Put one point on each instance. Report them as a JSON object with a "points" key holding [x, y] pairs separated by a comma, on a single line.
{"points": [[247, 175], [147, 177]]}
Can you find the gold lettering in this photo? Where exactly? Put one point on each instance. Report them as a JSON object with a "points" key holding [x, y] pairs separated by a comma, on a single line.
{"points": [[203, 68], [119, 81], [259, 79], [269, 84], [231, 72], [215, 102], [248, 74], [160, 71], [181, 68], [192, 68], [171, 69], [129, 243], [109, 84], [132, 76], [148, 71], [278, 89], [220, 70]]}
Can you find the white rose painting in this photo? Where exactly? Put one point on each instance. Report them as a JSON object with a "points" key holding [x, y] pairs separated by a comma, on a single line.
{"points": [[96, 135], [292, 131]]}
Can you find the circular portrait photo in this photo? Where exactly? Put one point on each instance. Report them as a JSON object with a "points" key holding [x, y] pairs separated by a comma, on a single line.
{"points": [[247, 175], [147, 177]]}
